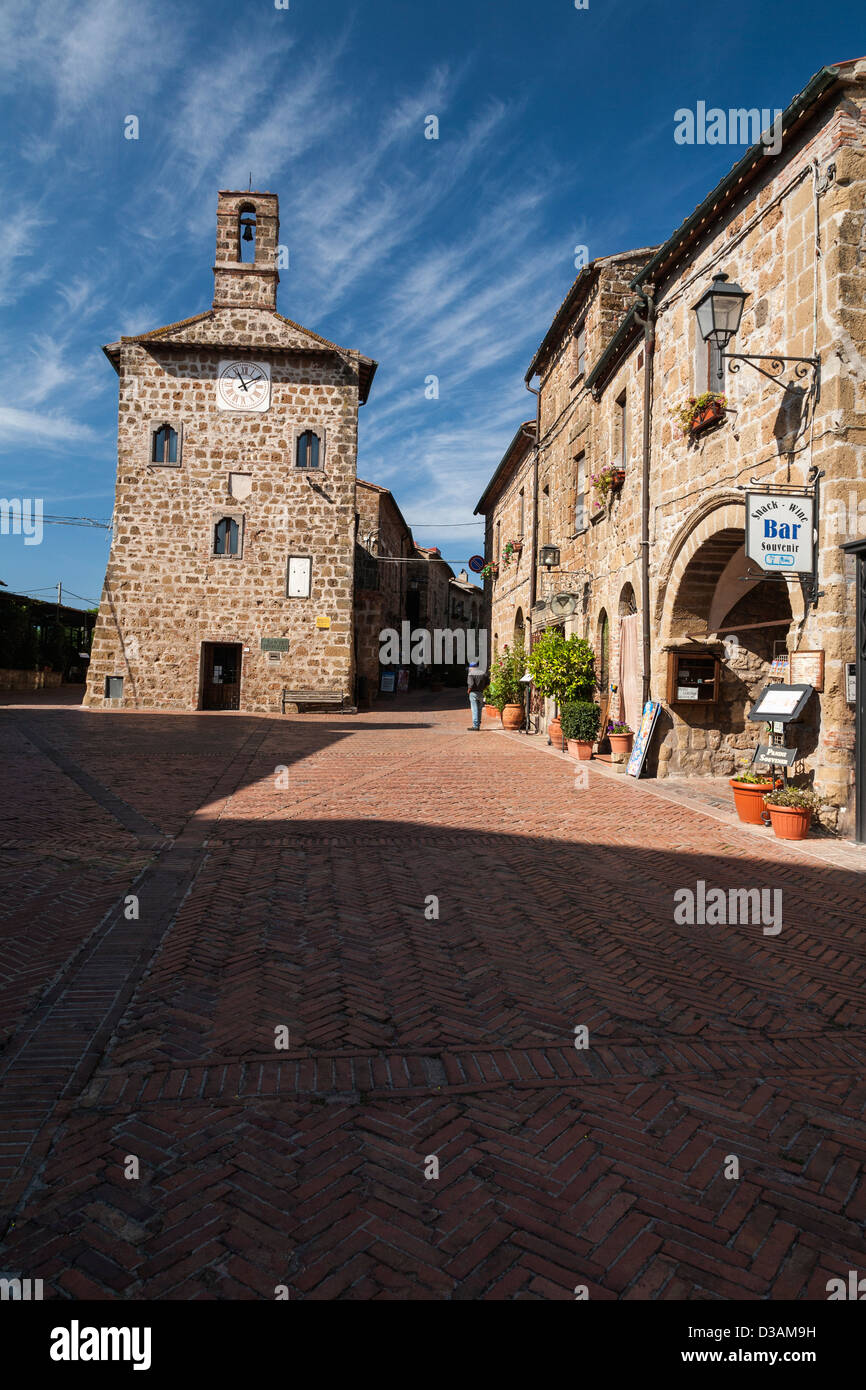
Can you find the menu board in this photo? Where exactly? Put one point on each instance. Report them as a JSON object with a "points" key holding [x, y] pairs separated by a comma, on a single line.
{"points": [[780, 702]]}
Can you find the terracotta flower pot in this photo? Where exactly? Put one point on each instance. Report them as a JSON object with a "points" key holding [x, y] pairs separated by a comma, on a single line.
{"points": [[491, 712], [512, 716], [621, 743], [791, 822], [749, 800], [554, 731], [578, 749]]}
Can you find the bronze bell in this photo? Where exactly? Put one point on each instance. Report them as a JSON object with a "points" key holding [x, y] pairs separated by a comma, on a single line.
{"points": [[248, 231]]}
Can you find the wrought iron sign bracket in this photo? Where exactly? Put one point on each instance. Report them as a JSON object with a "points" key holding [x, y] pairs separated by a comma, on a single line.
{"points": [[776, 364]]}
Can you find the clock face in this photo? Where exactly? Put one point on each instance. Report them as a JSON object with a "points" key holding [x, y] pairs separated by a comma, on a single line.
{"points": [[244, 386]]}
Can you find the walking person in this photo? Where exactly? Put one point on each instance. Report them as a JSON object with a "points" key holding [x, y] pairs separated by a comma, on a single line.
{"points": [[477, 682]]}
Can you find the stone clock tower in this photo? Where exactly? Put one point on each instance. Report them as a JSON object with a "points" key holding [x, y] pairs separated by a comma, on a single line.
{"points": [[230, 577]]}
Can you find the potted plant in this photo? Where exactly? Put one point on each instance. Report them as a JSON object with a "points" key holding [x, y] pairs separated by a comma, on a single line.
{"points": [[562, 668], [749, 790], [490, 570], [511, 551], [580, 721], [790, 810], [505, 690], [607, 482], [620, 736], [701, 411]]}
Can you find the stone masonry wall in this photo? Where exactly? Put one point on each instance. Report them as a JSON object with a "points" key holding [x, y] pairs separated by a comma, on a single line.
{"points": [[796, 241], [510, 591], [165, 592]]}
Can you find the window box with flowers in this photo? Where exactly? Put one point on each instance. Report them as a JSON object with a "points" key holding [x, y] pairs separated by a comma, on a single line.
{"points": [[699, 412], [512, 551], [490, 570], [607, 483]]}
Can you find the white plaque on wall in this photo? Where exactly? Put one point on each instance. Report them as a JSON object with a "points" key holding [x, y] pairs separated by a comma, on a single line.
{"points": [[299, 576]]}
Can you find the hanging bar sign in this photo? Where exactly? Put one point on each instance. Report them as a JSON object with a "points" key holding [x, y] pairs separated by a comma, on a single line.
{"points": [[780, 531]]}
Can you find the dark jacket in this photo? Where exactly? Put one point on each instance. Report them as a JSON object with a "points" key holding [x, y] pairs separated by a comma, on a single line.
{"points": [[477, 680]]}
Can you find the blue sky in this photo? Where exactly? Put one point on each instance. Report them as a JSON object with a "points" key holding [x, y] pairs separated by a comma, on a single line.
{"points": [[444, 257]]}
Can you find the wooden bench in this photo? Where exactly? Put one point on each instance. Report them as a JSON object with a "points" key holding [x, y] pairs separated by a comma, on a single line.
{"points": [[312, 697]]}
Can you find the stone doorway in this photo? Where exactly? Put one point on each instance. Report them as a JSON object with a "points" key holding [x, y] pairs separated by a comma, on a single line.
{"points": [[718, 611], [220, 675]]}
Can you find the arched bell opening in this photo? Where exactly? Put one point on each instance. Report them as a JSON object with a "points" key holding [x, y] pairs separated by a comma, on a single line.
{"points": [[247, 233]]}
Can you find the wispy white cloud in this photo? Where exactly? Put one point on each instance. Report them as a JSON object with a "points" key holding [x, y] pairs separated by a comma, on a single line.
{"points": [[80, 52], [32, 429], [23, 264]]}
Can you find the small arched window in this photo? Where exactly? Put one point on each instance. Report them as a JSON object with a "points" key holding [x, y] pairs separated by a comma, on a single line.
{"points": [[602, 655], [225, 536], [308, 450], [627, 602], [164, 445], [247, 234]]}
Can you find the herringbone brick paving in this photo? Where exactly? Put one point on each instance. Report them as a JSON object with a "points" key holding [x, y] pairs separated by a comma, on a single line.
{"points": [[302, 906]]}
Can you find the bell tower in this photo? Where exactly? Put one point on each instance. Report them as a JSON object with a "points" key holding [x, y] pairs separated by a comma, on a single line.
{"points": [[245, 270]]}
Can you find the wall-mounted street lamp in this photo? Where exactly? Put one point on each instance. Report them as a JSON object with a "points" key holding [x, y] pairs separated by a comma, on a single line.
{"points": [[549, 556], [719, 312]]}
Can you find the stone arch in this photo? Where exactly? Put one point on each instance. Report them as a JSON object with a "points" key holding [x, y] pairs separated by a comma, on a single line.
{"points": [[708, 606], [627, 659], [519, 624], [725, 512]]}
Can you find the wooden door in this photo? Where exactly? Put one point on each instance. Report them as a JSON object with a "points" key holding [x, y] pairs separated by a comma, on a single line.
{"points": [[221, 676]]}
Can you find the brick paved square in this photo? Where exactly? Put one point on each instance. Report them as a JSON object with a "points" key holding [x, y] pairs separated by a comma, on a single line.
{"points": [[408, 1036]]}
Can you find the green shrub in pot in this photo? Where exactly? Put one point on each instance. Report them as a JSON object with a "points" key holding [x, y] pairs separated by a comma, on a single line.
{"points": [[580, 720], [505, 672]]}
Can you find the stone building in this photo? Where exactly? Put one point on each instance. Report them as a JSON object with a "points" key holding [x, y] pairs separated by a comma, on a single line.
{"points": [[508, 504], [429, 597], [383, 552], [231, 571], [655, 572]]}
